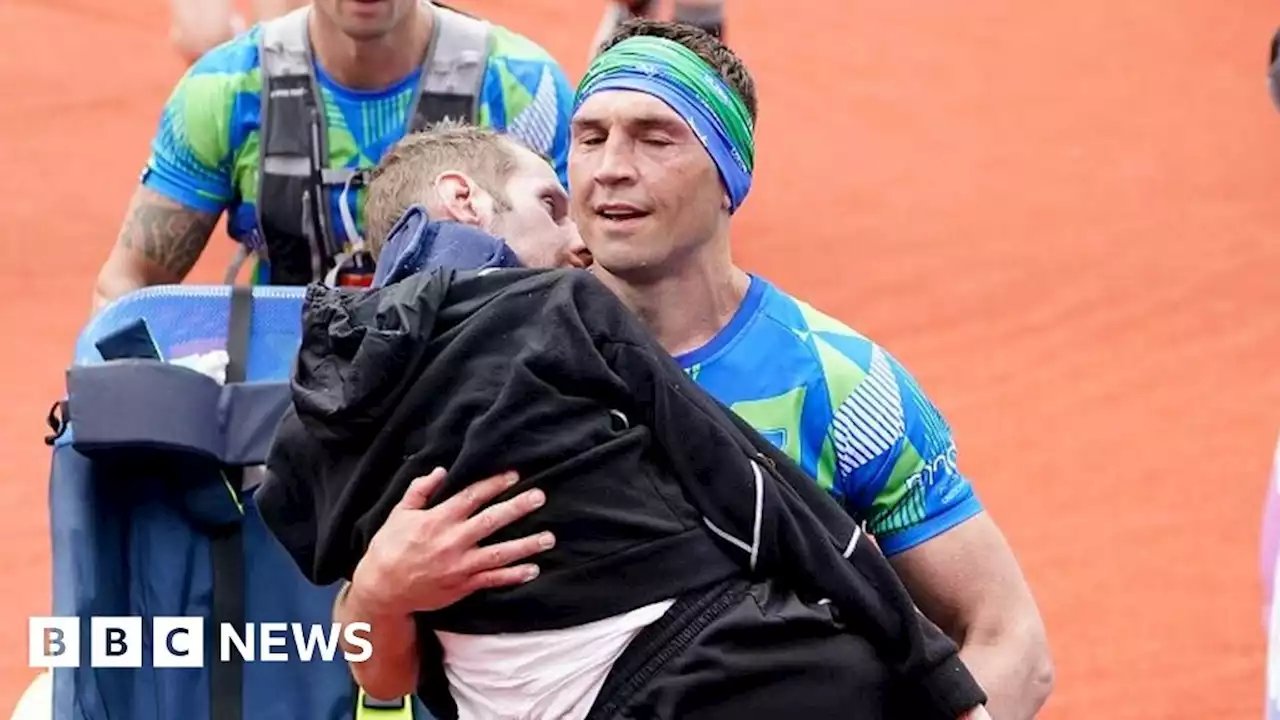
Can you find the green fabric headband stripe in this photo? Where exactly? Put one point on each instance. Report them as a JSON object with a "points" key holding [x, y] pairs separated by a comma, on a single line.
{"points": [[644, 54]]}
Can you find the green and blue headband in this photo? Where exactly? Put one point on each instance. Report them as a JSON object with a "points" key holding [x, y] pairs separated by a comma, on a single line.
{"points": [[676, 75]]}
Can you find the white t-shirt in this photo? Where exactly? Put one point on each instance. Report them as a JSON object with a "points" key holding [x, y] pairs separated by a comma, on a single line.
{"points": [[548, 675]]}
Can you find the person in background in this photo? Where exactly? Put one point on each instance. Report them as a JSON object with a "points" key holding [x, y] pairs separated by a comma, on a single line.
{"points": [[345, 81]]}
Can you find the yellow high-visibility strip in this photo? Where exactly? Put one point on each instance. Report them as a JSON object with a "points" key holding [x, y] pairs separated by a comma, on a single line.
{"points": [[368, 708]]}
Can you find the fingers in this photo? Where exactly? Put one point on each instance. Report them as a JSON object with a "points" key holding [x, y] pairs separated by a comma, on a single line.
{"points": [[499, 555], [502, 577], [465, 503], [415, 498], [498, 516]]}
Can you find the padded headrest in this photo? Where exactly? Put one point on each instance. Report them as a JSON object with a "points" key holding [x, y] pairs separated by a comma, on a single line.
{"points": [[188, 320], [417, 243]]}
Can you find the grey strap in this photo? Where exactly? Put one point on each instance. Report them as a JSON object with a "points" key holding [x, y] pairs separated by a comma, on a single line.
{"points": [[284, 46], [454, 70], [294, 139], [287, 72], [459, 54]]}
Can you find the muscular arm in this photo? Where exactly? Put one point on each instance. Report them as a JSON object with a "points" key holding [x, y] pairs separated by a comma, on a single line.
{"points": [[188, 181], [968, 582], [957, 566], [159, 243]]}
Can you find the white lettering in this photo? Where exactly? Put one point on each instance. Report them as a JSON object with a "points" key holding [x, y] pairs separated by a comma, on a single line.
{"points": [[244, 643], [941, 467], [273, 636], [328, 641], [351, 633]]}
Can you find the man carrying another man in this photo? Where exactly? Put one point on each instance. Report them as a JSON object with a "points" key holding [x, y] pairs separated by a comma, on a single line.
{"points": [[660, 158]]}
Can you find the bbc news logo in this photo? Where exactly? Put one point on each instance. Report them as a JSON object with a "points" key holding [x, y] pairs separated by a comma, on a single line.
{"points": [[179, 642]]}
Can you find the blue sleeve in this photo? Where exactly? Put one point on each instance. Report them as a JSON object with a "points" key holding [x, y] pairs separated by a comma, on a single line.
{"points": [[564, 113], [537, 113], [896, 464], [190, 160]]}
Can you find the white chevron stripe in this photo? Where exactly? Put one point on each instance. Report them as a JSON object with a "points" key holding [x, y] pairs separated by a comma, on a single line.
{"points": [[535, 126], [870, 420]]}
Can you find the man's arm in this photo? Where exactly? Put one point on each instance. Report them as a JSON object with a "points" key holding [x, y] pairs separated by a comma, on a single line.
{"points": [[392, 668], [187, 181], [159, 243], [968, 582], [904, 479]]}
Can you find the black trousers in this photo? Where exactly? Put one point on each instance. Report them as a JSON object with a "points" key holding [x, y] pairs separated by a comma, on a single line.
{"points": [[743, 650]]}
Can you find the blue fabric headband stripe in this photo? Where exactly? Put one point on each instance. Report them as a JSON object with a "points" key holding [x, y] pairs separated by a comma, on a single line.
{"points": [[653, 79]]}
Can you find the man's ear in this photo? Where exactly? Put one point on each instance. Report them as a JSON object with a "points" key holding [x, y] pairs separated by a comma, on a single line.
{"points": [[460, 199]]}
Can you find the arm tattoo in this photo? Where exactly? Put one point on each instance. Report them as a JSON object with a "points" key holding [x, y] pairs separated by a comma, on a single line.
{"points": [[166, 233]]}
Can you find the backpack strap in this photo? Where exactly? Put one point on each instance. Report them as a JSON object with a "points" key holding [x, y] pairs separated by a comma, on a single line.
{"points": [[293, 154], [226, 680], [454, 70]]}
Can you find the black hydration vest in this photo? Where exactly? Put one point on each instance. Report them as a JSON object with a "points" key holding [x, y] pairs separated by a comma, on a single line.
{"points": [[296, 186]]}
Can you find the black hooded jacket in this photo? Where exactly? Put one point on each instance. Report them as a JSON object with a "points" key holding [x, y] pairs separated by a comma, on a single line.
{"points": [[653, 488]]}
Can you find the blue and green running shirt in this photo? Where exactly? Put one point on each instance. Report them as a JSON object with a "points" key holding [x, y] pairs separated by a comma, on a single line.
{"points": [[844, 409], [205, 152]]}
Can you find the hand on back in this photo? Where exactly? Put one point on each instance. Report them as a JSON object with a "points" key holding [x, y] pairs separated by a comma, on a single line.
{"points": [[426, 559]]}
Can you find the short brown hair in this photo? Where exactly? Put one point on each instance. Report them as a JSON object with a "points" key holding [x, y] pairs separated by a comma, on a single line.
{"points": [[703, 44], [404, 175]]}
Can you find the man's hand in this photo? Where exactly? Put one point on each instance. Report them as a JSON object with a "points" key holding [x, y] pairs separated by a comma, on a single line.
{"points": [[978, 713], [424, 560]]}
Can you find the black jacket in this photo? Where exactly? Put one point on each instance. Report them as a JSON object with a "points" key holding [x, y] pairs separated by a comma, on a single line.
{"points": [[653, 488]]}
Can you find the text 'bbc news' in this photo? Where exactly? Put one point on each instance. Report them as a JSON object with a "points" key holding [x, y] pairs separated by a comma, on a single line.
{"points": [[180, 642]]}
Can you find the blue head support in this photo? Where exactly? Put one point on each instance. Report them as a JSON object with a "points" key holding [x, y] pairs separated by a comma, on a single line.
{"points": [[416, 244]]}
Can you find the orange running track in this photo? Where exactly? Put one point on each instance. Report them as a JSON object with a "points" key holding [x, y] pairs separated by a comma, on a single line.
{"points": [[1063, 217]]}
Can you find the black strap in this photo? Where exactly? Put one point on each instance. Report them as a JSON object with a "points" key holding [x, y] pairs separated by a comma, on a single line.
{"points": [[57, 422], [226, 679], [439, 107], [238, 333], [374, 703]]}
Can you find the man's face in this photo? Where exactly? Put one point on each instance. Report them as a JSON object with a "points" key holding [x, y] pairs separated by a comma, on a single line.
{"points": [[644, 191], [365, 19], [536, 224]]}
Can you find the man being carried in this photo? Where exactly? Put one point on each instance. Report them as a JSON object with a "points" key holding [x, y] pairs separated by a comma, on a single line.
{"points": [[476, 178]]}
